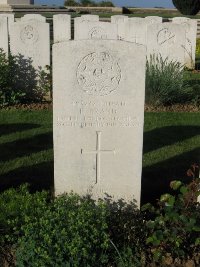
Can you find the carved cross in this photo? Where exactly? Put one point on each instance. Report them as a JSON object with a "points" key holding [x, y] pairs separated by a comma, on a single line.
{"points": [[98, 153]]}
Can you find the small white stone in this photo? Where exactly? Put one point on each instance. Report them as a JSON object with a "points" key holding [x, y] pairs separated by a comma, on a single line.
{"points": [[61, 27], [31, 39]]}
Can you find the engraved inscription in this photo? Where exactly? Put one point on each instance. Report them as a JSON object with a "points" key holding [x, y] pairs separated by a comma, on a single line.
{"points": [[98, 153], [98, 74], [88, 114], [165, 36], [29, 35], [97, 33]]}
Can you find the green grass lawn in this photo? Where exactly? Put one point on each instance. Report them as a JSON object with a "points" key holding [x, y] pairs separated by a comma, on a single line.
{"points": [[171, 144]]}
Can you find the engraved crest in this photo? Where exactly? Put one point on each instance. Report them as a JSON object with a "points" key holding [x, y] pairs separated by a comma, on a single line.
{"points": [[98, 74], [187, 27], [165, 36], [97, 33], [29, 35]]}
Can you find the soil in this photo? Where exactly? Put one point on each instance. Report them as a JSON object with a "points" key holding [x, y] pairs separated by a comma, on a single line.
{"points": [[49, 106]]}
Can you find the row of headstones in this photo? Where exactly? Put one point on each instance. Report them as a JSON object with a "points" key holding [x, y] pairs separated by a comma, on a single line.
{"points": [[176, 40], [30, 36]]}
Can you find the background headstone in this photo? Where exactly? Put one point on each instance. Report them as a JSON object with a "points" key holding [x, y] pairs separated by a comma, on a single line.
{"points": [[119, 19], [96, 30], [134, 30], [190, 26], [37, 17], [153, 19], [61, 27], [31, 40], [84, 18], [98, 117], [4, 34], [10, 18], [167, 40]]}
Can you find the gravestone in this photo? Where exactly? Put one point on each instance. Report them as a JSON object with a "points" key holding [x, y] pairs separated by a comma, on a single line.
{"points": [[134, 30], [96, 30], [190, 26], [31, 39], [4, 34], [84, 18], [9, 17], [153, 19], [119, 19], [37, 17], [61, 27], [98, 117], [167, 40]]}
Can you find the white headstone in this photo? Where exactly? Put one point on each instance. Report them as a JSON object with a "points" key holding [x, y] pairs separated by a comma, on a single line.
{"points": [[134, 30], [190, 26], [89, 18], [119, 19], [31, 39], [78, 22], [61, 27], [4, 34], [9, 17], [96, 30], [98, 117], [153, 19], [37, 17], [167, 40]]}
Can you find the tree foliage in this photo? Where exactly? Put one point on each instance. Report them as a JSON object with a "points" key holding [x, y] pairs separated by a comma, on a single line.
{"points": [[187, 7]]}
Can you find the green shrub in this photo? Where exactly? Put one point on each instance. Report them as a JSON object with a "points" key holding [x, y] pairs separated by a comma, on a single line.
{"points": [[174, 229], [78, 231], [127, 233], [187, 7], [192, 82], [18, 207], [198, 48], [20, 82], [71, 232], [165, 82]]}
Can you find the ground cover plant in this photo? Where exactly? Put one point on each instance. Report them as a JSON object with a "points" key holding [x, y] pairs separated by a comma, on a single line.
{"points": [[38, 230]]}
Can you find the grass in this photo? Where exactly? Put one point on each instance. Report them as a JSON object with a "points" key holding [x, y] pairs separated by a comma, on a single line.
{"points": [[171, 144]]}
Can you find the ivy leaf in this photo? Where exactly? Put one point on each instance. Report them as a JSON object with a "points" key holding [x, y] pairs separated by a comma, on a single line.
{"points": [[175, 184]]}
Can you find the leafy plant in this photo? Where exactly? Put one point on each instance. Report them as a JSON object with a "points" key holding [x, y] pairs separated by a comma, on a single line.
{"points": [[164, 82], [198, 48], [71, 232], [187, 7], [17, 207], [174, 229], [20, 82]]}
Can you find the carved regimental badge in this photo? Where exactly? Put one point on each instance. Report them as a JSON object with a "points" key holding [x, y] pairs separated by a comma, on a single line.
{"points": [[98, 74], [97, 33], [165, 37], [29, 35]]}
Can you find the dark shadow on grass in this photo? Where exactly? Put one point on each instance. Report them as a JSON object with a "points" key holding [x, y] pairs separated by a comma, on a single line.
{"points": [[26, 147], [168, 135], [16, 127], [39, 176], [156, 178]]}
